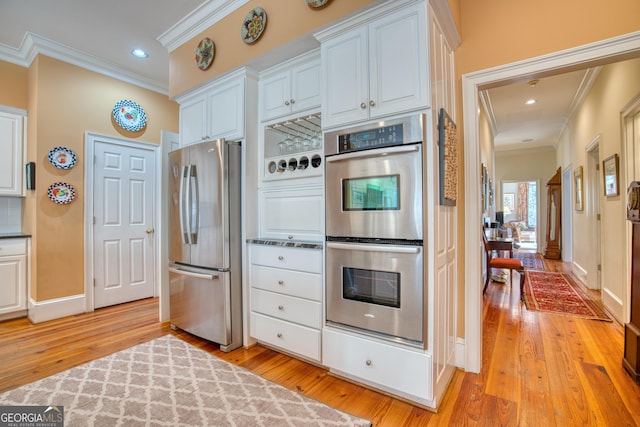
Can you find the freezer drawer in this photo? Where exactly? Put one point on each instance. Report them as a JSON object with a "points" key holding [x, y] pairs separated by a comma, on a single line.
{"points": [[199, 302]]}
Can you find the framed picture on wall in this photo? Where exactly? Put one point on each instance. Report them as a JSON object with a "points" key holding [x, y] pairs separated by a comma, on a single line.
{"points": [[509, 201], [577, 187], [610, 167], [448, 148]]}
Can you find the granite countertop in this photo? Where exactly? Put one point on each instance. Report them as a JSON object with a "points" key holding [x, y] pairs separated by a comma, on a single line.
{"points": [[286, 243], [13, 235]]}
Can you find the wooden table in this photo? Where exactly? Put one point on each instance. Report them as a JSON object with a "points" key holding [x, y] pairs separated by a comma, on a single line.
{"points": [[501, 244]]}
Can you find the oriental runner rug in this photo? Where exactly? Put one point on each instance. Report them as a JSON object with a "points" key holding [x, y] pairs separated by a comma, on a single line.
{"points": [[530, 260], [558, 293], [168, 382]]}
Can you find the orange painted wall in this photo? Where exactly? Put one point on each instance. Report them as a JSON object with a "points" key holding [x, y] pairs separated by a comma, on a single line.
{"points": [[13, 85], [64, 102], [286, 20], [497, 32]]}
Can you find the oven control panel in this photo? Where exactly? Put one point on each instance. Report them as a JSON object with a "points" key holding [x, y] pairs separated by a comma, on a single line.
{"points": [[385, 133], [372, 138]]}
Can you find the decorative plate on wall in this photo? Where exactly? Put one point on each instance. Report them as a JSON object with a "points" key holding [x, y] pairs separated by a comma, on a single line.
{"points": [[62, 157], [253, 25], [316, 3], [61, 193], [205, 52], [129, 115]]}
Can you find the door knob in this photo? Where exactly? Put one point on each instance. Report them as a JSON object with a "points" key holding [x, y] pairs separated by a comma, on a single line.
{"points": [[150, 230]]}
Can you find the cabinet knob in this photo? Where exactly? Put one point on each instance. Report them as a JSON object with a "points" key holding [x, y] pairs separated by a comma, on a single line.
{"points": [[280, 257], [279, 334], [368, 363], [290, 237], [286, 103], [280, 282], [281, 307], [363, 105], [372, 103], [293, 101]]}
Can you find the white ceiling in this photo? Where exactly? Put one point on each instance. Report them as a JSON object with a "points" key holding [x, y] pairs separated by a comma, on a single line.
{"points": [[99, 35], [516, 125]]}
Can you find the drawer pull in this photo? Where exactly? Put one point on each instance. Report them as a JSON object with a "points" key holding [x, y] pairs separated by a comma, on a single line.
{"points": [[280, 258], [279, 334], [290, 237], [281, 307], [280, 282], [368, 363]]}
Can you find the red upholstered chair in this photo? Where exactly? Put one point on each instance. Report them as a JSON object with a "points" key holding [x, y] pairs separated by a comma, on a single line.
{"points": [[504, 263]]}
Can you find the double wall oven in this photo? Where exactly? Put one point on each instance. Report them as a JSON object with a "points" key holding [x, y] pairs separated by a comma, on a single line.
{"points": [[374, 227]]}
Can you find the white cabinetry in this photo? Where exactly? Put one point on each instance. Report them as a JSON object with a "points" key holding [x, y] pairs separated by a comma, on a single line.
{"points": [[286, 298], [376, 69], [292, 213], [214, 111], [291, 87], [395, 369], [12, 131], [13, 277]]}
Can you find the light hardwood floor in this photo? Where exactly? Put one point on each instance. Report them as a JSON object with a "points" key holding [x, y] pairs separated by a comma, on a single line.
{"points": [[538, 369]]}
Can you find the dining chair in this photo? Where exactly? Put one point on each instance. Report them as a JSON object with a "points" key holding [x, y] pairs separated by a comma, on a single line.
{"points": [[510, 264]]}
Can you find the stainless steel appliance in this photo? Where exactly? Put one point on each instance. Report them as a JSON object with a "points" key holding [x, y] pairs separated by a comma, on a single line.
{"points": [[204, 242], [374, 227]]}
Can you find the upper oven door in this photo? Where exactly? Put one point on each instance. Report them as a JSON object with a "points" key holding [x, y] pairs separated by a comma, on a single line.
{"points": [[375, 193]]}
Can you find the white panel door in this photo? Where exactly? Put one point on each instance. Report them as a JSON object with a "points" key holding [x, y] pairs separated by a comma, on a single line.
{"points": [[123, 224]]}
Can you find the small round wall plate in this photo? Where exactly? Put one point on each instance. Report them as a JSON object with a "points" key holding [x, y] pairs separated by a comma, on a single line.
{"points": [[61, 193], [129, 115], [316, 3], [253, 25], [205, 52], [62, 157]]}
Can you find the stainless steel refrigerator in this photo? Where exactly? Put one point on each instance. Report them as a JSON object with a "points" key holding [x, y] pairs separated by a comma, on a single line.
{"points": [[205, 241]]}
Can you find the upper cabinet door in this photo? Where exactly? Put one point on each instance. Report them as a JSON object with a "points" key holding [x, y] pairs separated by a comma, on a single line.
{"points": [[398, 52], [345, 78], [226, 110], [12, 159], [193, 121], [378, 69], [291, 87]]}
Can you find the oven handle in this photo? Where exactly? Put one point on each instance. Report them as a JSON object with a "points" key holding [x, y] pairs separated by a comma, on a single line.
{"points": [[374, 153], [375, 248]]}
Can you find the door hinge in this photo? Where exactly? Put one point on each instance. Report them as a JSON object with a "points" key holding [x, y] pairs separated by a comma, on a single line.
{"points": [[599, 267], [597, 166], [94, 283], [597, 217]]}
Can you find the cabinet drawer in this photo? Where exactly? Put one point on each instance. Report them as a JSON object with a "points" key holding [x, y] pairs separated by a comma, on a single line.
{"points": [[13, 247], [289, 282], [407, 371], [287, 336], [308, 260], [291, 309]]}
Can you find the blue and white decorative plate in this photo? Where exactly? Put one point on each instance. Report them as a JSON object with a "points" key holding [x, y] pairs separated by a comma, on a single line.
{"points": [[62, 157], [129, 115], [61, 193], [316, 3]]}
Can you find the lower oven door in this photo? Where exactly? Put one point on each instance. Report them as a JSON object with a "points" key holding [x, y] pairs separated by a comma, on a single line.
{"points": [[377, 288]]}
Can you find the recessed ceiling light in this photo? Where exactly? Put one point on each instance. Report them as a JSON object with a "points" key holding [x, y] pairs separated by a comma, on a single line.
{"points": [[139, 53], [530, 102]]}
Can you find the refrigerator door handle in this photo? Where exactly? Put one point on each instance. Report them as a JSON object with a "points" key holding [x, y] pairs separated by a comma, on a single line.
{"points": [[184, 225], [195, 204], [193, 274]]}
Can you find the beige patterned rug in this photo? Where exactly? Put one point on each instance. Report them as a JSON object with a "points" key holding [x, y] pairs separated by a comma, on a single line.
{"points": [[168, 382]]}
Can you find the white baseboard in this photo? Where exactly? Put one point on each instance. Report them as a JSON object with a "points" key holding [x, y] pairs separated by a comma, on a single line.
{"points": [[41, 311], [460, 353], [580, 274]]}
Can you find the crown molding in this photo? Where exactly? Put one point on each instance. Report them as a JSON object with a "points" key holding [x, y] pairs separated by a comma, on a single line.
{"points": [[33, 45], [198, 21]]}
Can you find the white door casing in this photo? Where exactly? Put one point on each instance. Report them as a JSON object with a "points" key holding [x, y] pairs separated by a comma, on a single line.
{"points": [[120, 216], [609, 49]]}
